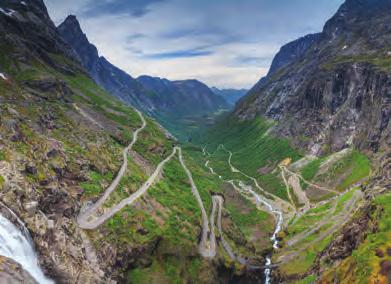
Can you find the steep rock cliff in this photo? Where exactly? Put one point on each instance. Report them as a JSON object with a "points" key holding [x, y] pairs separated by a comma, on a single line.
{"points": [[338, 85]]}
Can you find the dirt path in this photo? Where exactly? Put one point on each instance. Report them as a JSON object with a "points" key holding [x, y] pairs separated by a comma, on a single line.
{"points": [[310, 183], [287, 189], [293, 182], [87, 116]]}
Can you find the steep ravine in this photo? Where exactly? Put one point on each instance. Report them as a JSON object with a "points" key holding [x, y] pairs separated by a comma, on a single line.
{"points": [[259, 201]]}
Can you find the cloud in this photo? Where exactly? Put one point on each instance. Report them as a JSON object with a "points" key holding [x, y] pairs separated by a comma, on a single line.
{"points": [[227, 43], [179, 54], [253, 60], [136, 8]]}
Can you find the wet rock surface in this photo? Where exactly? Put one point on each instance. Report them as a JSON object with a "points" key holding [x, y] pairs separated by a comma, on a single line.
{"points": [[12, 273]]}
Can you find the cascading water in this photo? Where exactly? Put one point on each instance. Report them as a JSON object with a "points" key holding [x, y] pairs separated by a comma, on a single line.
{"points": [[280, 221], [274, 238], [259, 200], [17, 246]]}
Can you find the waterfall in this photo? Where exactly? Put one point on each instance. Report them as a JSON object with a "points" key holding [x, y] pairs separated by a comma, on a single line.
{"points": [[18, 246]]}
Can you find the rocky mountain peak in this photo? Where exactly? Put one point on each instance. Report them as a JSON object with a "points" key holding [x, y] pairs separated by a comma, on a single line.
{"points": [[72, 33], [292, 51], [36, 6], [73, 24], [32, 33], [355, 15]]}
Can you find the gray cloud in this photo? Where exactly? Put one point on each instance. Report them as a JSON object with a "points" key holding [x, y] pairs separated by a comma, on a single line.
{"points": [[189, 53], [136, 8]]}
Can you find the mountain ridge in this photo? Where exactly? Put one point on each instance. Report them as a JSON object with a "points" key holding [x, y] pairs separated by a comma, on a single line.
{"points": [[115, 81], [190, 97]]}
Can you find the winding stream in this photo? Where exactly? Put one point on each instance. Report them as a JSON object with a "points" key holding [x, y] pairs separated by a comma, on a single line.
{"points": [[259, 200]]}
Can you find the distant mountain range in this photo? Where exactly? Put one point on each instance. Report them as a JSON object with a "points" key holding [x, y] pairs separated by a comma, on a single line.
{"points": [[155, 96], [187, 97], [230, 95]]}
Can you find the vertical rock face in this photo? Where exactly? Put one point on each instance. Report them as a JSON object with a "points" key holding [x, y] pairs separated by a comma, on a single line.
{"points": [[293, 51], [71, 32], [332, 89]]}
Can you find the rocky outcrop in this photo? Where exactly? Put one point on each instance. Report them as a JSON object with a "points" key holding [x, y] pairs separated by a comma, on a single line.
{"points": [[337, 85], [12, 272]]}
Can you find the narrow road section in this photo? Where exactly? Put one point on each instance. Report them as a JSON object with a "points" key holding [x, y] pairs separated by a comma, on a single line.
{"points": [[207, 247], [85, 214], [271, 206], [90, 218], [218, 200]]}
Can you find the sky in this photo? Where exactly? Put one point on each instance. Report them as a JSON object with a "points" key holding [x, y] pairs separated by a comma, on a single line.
{"points": [[223, 43]]}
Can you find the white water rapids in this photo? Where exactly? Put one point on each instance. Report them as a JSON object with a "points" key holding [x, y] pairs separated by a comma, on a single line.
{"points": [[280, 221], [17, 246]]}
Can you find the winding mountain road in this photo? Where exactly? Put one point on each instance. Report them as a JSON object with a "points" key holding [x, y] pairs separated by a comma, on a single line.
{"points": [[338, 221], [307, 182], [207, 247], [218, 200], [90, 218], [287, 189], [86, 213], [275, 210]]}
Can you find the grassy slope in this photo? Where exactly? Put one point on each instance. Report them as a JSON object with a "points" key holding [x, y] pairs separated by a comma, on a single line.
{"points": [[181, 220], [244, 214], [364, 265], [306, 258], [380, 61], [253, 149], [349, 170], [186, 128]]}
